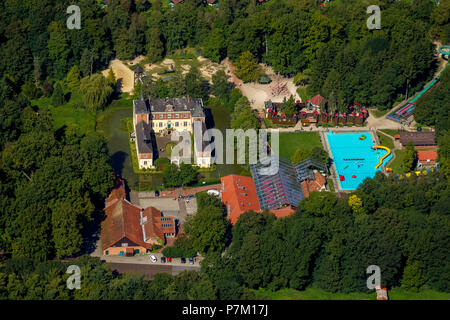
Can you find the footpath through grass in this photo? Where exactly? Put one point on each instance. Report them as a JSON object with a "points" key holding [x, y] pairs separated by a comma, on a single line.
{"points": [[319, 294]]}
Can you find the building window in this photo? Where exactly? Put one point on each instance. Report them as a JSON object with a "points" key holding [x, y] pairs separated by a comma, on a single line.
{"points": [[124, 244], [185, 124], [169, 116], [185, 115], [176, 124], [160, 124], [145, 163], [161, 116], [153, 124], [177, 116]]}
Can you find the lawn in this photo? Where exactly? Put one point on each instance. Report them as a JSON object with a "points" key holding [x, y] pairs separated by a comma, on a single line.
{"points": [[291, 141], [310, 294], [391, 132], [330, 184], [385, 141], [319, 294], [396, 163], [70, 113], [303, 94], [379, 113], [73, 112]]}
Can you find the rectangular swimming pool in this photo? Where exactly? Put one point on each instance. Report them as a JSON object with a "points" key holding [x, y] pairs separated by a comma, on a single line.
{"points": [[354, 157]]}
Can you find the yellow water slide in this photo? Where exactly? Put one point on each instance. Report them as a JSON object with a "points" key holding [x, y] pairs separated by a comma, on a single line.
{"points": [[383, 157]]}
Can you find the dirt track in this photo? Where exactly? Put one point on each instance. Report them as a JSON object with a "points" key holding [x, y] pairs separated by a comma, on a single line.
{"points": [[124, 75]]}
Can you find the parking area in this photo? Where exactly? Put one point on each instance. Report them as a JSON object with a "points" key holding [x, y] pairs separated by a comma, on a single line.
{"points": [[148, 199], [191, 206], [144, 259]]}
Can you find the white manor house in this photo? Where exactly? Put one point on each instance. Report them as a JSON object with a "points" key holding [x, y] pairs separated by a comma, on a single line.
{"points": [[162, 116]]}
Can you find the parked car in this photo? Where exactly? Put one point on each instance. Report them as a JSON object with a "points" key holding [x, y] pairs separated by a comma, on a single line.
{"points": [[163, 260], [183, 260], [191, 260], [152, 258], [169, 259], [213, 192]]}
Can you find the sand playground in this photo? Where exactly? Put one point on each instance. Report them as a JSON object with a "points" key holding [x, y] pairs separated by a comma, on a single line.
{"points": [[257, 94]]}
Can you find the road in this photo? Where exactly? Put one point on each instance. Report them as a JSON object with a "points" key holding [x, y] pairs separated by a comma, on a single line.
{"points": [[149, 271], [141, 264]]}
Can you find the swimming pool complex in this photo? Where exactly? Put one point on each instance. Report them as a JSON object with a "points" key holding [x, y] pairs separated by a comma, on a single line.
{"points": [[354, 158]]}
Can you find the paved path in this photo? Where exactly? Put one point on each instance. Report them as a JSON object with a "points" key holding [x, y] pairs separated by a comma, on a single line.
{"points": [[181, 204]]}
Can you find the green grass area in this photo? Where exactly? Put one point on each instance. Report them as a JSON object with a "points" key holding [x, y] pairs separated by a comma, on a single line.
{"points": [[385, 141], [391, 132], [319, 294], [291, 141], [169, 146], [379, 113], [330, 184], [303, 94], [310, 294], [72, 112], [396, 163]]}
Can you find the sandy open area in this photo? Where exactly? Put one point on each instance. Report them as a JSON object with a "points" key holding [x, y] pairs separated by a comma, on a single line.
{"points": [[168, 62], [124, 75], [185, 68], [257, 93], [136, 60]]}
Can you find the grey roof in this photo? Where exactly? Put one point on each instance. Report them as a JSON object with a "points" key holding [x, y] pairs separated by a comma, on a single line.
{"points": [[140, 106], [194, 105], [144, 138], [418, 138]]}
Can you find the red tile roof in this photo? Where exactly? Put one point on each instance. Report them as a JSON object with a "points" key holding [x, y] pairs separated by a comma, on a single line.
{"points": [[424, 156], [283, 211], [309, 186], [316, 100], [123, 220], [238, 196]]}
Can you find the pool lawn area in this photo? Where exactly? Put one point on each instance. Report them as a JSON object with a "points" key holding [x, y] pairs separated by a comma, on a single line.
{"points": [[291, 141], [354, 159]]}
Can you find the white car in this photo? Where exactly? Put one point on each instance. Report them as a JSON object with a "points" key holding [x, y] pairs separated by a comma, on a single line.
{"points": [[152, 258], [213, 192]]}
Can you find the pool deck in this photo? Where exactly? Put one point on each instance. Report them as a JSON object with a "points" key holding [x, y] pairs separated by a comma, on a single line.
{"points": [[333, 170]]}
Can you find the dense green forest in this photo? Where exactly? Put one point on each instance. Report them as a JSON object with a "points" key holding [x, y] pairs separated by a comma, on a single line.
{"points": [[330, 46], [53, 183]]}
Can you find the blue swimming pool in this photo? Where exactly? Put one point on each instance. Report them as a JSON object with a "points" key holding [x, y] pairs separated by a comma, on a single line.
{"points": [[355, 160]]}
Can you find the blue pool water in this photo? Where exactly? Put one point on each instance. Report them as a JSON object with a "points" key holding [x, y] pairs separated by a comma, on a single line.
{"points": [[349, 146]]}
